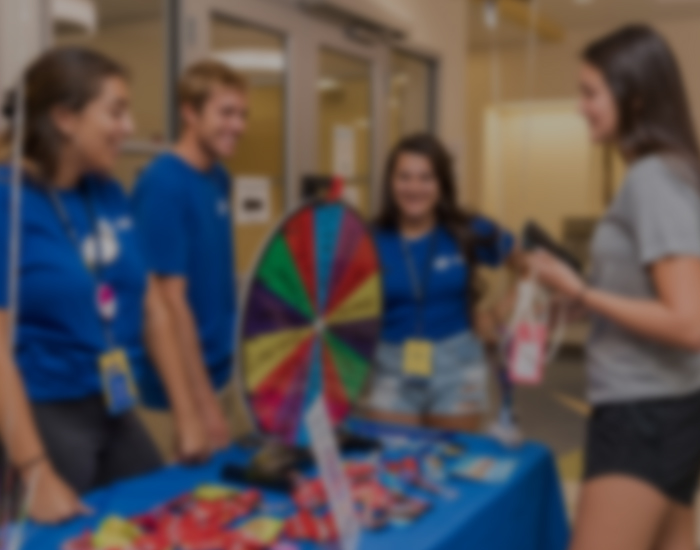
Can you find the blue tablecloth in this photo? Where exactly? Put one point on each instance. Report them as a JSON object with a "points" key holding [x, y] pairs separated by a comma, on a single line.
{"points": [[524, 513]]}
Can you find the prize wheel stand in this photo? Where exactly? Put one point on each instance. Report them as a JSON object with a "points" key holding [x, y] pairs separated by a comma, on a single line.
{"points": [[310, 323]]}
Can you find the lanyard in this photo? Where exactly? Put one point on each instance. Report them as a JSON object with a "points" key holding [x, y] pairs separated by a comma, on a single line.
{"points": [[419, 285], [96, 270]]}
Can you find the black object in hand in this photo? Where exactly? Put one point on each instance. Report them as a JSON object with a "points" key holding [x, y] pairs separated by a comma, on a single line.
{"points": [[534, 237]]}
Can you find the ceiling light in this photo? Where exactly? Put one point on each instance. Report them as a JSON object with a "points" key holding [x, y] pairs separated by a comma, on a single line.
{"points": [[253, 60], [77, 13], [328, 84]]}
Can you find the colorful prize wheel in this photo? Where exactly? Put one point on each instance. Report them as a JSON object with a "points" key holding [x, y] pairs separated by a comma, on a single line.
{"points": [[311, 319]]}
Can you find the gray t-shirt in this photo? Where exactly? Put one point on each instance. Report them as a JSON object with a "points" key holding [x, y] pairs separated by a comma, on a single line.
{"points": [[655, 215]]}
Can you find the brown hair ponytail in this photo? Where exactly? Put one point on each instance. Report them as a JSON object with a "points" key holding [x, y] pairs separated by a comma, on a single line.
{"points": [[65, 77]]}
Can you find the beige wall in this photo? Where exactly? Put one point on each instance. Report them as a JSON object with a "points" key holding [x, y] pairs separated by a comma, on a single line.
{"points": [[530, 172], [555, 78], [21, 39], [140, 46], [441, 26]]}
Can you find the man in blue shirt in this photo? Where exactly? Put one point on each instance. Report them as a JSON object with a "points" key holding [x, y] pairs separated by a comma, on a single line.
{"points": [[182, 204]]}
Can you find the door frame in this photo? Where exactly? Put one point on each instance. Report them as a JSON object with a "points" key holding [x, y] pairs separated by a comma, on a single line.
{"points": [[306, 37]]}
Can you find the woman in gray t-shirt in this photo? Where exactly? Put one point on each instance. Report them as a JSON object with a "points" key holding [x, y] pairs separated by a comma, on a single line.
{"points": [[643, 447]]}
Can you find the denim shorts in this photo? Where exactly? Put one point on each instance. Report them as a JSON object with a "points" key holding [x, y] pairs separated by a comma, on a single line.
{"points": [[458, 385]]}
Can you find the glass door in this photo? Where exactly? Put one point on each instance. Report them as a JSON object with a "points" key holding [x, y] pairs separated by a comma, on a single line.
{"points": [[324, 100], [344, 91], [411, 95], [259, 163]]}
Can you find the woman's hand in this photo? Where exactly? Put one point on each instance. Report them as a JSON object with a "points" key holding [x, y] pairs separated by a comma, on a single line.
{"points": [[51, 500], [216, 426], [191, 445], [556, 275]]}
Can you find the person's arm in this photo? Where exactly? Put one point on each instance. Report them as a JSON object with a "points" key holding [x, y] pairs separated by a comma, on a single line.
{"points": [[499, 250], [162, 344], [673, 318], [174, 292], [51, 500]]}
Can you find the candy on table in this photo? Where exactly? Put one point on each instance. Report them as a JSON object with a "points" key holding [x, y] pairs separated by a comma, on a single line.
{"points": [[230, 540], [152, 541], [372, 495], [116, 533], [407, 509], [434, 468], [408, 468], [214, 492], [251, 499], [83, 542], [197, 519], [309, 494], [262, 531], [305, 526], [450, 449], [358, 471]]}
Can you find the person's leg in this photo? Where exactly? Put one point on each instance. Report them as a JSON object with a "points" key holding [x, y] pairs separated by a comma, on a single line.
{"points": [[129, 451], [72, 436], [619, 513], [678, 532], [394, 400], [459, 389]]}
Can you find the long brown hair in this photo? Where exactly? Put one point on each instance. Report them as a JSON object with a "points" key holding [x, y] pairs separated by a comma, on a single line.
{"points": [[644, 76], [65, 77], [456, 220]]}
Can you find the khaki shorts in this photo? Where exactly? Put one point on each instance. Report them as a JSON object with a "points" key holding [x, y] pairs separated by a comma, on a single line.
{"points": [[161, 425]]}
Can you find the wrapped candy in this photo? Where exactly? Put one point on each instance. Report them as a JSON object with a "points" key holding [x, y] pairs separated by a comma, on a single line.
{"points": [[305, 526]]}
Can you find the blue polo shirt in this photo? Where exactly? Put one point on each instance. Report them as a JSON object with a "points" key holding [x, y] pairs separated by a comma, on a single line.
{"points": [[60, 335], [443, 276], [185, 220]]}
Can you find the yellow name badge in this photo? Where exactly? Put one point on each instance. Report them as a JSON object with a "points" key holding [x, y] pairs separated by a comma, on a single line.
{"points": [[117, 382], [418, 358]]}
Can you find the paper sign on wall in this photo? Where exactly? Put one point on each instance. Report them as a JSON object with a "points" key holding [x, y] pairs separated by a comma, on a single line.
{"points": [[253, 198], [351, 195], [344, 151], [333, 476]]}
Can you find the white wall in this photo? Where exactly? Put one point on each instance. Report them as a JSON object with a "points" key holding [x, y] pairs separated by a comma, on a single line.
{"points": [[21, 38], [555, 78]]}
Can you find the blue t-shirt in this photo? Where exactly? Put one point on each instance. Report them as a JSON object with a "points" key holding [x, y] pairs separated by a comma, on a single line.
{"points": [[185, 221], [60, 334], [444, 280]]}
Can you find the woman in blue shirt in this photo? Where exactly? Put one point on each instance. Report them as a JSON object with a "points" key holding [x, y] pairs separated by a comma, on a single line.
{"points": [[430, 366], [85, 310]]}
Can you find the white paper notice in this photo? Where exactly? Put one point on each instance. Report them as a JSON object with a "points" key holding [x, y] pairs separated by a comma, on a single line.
{"points": [[253, 200], [344, 154], [333, 476], [351, 195]]}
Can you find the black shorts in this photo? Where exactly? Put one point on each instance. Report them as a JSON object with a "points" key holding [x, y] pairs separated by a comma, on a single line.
{"points": [[656, 441], [89, 448]]}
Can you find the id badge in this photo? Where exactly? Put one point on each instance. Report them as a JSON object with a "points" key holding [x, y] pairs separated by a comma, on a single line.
{"points": [[418, 359], [527, 357], [117, 382]]}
